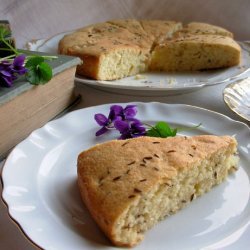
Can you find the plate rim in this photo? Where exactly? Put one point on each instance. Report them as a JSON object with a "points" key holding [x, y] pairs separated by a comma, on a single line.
{"points": [[230, 86]]}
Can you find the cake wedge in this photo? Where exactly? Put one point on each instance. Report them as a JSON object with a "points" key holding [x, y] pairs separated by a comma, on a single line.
{"points": [[195, 52], [130, 185], [107, 51]]}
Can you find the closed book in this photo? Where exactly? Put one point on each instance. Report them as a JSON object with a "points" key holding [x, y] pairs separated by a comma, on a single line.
{"points": [[25, 107]]}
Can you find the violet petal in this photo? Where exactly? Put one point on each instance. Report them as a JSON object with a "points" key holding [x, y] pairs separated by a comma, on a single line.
{"points": [[101, 119], [6, 73], [117, 109], [130, 111], [101, 131], [6, 81], [122, 126], [19, 61], [125, 136]]}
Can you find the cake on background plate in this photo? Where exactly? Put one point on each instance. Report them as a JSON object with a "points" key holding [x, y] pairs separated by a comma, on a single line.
{"points": [[126, 47]]}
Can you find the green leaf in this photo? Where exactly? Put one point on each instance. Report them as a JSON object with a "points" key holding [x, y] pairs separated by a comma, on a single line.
{"points": [[153, 132], [39, 72], [174, 131], [164, 129], [46, 71], [161, 129], [34, 61], [32, 76]]}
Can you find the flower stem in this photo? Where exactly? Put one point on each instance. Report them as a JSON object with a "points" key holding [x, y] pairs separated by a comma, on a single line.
{"points": [[9, 45], [148, 125], [190, 128], [5, 49], [49, 57], [7, 57], [45, 57], [152, 127]]}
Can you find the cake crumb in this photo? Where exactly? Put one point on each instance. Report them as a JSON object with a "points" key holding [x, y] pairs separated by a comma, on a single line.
{"points": [[139, 77]]}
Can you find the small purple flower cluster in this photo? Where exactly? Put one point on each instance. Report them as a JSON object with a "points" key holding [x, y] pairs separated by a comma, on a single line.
{"points": [[122, 119], [9, 71]]}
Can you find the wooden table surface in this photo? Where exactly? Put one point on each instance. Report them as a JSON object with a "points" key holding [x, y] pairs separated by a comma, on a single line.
{"points": [[34, 19]]}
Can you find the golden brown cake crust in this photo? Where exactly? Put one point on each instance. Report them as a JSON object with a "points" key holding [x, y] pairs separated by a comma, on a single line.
{"points": [[134, 26], [123, 47], [160, 29], [114, 174], [98, 40], [197, 28]]}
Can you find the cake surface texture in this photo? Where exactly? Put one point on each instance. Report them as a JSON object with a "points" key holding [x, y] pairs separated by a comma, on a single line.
{"points": [[195, 52], [196, 28], [130, 185], [125, 47]]}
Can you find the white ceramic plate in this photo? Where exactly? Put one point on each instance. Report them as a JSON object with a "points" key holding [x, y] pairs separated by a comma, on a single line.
{"points": [[237, 97], [155, 83], [40, 189]]}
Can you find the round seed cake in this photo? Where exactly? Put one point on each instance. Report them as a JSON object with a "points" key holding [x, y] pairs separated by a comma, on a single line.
{"points": [[125, 47]]}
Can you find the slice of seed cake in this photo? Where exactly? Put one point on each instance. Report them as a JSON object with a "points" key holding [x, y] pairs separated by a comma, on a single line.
{"points": [[195, 52], [129, 186], [108, 51]]}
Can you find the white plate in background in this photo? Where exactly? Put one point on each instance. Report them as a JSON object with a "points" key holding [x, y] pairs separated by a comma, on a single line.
{"points": [[155, 83], [40, 188], [237, 97]]}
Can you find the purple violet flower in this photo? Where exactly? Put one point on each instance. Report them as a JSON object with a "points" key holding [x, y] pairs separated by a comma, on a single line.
{"points": [[103, 121], [130, 112], [121, 119], [127, 113], [18, 65], [10, 71], [115, 111], [5, 74], [130, 129], [107, 122]]}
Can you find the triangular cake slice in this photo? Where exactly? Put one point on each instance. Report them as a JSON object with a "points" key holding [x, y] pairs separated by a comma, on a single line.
{"points": [[195, 52], [128, 186], [108, 51]]}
